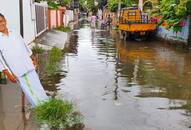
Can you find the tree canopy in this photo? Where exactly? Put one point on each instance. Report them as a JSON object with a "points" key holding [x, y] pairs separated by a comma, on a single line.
{"points": [[113, 4], [86, 4], [55, 3], [173, 12]]}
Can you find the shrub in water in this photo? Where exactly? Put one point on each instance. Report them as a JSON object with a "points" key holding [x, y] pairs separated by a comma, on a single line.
{"points": [[55, 56], [57, 114]]}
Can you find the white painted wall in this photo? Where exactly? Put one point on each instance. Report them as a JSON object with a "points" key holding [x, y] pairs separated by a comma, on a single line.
{"points": [[10, 9], [29, 21], [182, 36], [69, 16]]}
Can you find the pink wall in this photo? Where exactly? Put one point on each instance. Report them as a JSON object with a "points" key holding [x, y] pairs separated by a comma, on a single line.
{"points": [[56, 18]]}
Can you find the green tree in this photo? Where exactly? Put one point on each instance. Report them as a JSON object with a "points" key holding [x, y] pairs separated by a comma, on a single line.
{"points": [[64, 2], [113, 4], [129, 3], [52, 3], [173, 12], [102, 3], [55, 3], [86, 4]]}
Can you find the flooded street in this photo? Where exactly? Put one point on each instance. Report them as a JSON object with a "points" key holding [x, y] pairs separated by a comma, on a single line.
{"points": [[126, 85]]}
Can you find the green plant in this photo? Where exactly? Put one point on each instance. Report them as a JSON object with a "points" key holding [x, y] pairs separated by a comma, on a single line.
{"points": [[173, 13], [129, 3], [37, 49], [86, 4], [113, 5], [55, 56], [64, 29], [52, 4], [64, 2], [185, 106], [57, 114], [102, 3]]}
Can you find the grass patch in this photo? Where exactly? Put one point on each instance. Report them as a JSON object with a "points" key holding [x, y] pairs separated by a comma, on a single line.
{"points": [[57, 114], [186, 106], [64, 29], [37, 50], [55, 56]]}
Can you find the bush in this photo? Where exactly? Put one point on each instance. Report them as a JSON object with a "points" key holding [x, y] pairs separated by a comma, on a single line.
{"points": [[55, 56], [37, 50], [64, 29], [57, 114], [173, 12]]}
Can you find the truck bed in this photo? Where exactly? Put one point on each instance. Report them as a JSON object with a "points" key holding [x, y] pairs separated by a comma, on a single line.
{"points": [[138, 27]]}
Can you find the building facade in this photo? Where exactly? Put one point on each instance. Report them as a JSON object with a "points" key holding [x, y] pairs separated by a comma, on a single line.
{"points": [[14, 13]]}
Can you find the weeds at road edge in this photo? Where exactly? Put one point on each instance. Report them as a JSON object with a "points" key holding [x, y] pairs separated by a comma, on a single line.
{"points": [[57, 114]]}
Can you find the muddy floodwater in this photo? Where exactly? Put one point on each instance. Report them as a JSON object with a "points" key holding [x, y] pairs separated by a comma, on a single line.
{"points": [[126, 85]]}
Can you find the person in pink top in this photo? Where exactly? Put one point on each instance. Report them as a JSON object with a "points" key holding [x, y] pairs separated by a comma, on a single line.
{"points": [[93, 21]]}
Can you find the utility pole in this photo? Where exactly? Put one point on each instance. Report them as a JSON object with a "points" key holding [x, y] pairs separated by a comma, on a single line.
{"points": [[119, 9], [141, 5]]}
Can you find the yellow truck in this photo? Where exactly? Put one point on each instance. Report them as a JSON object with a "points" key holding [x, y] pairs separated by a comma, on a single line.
{"points": [[135, 24]]}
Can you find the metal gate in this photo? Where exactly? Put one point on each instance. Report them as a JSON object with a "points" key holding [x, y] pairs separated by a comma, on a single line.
{"points": [[41, 17]]}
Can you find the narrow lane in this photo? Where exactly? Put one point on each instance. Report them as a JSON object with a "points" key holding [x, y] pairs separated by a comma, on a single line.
{"points": [[129, 85]]}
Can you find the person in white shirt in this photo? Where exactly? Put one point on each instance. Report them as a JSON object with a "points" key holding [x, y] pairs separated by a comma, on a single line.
{"points": [[17, 62]]}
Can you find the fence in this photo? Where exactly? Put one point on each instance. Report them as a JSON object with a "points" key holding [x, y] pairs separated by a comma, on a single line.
{"points": [[41, 17]]}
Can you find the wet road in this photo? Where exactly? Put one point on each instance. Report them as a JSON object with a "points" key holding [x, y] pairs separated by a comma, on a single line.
{"points": [[120, 85]]}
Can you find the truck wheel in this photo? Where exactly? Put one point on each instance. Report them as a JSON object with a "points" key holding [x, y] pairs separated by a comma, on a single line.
{"points": [[121, 34]]}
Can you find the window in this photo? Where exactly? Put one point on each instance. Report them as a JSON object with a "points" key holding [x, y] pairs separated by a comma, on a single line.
{"points": [[131, 13]]}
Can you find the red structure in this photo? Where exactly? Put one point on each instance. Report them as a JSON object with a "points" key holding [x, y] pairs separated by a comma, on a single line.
{"points": [[56, 17]]}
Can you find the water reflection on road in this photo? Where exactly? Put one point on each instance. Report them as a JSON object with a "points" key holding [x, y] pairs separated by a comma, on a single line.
{"points": [[129, 85]]}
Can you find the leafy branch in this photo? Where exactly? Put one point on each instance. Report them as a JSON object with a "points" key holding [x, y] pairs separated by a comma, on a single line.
{"points": [[173, 13]]}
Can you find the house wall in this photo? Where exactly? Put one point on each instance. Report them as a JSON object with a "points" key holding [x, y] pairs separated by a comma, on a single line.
{"points": [[56, 17], [68, 17], [29, 21], [53, 18], [10, 9], [182, 36]]}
